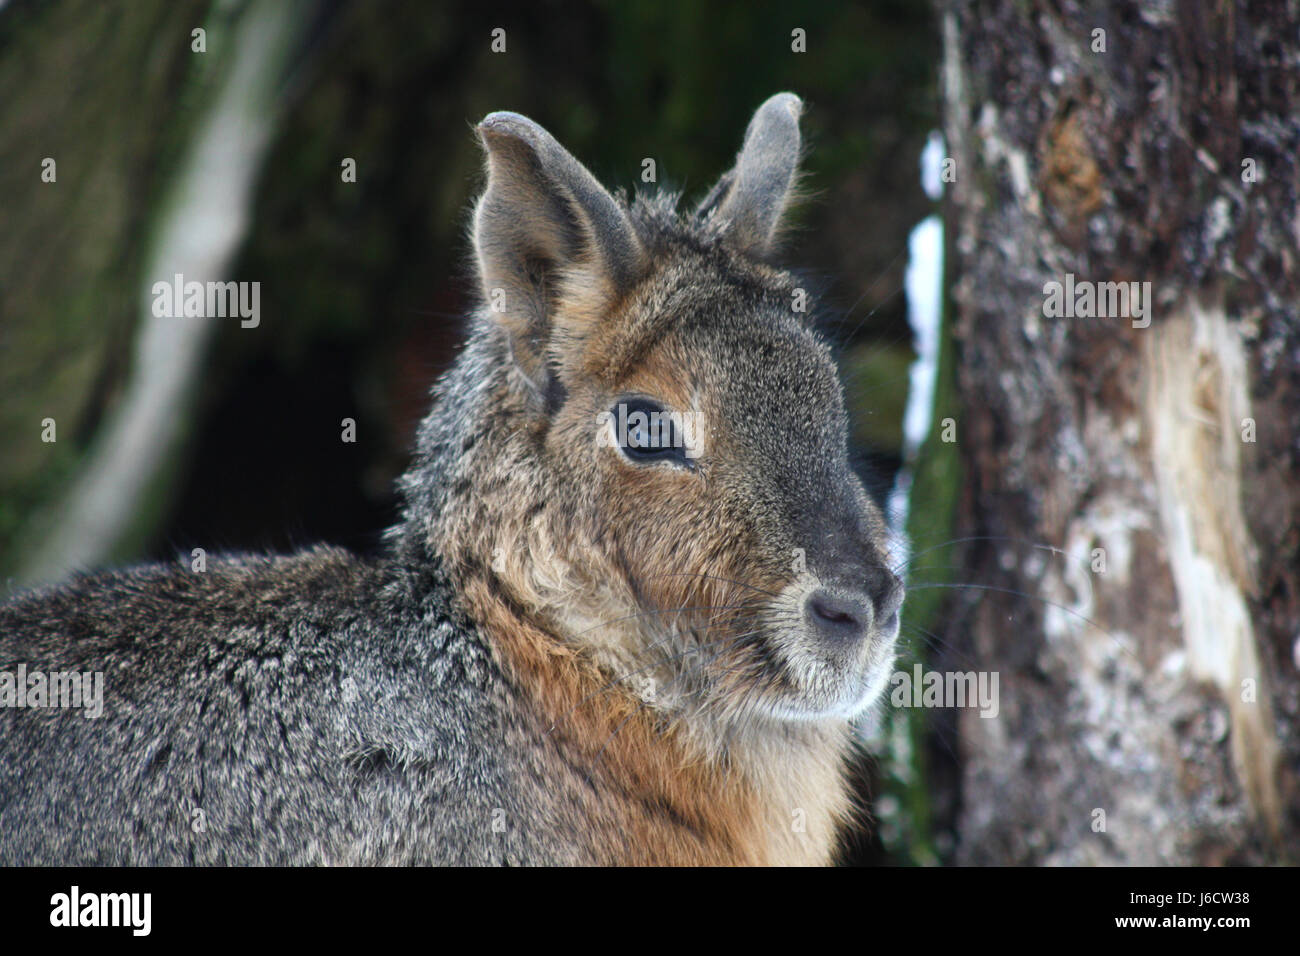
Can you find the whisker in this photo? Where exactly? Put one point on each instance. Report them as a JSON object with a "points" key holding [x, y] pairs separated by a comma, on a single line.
{"points": [[644, 704], [932, 640], [640, 670], [979, 537], [1030, 597], [1052, 549], [665, 610], [707, 577]]}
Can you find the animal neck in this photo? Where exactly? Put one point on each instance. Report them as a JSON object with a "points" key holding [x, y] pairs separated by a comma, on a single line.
{"points": [[669, 792]]}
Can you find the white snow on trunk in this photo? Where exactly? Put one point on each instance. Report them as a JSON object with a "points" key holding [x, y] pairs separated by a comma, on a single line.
{"points": [[923, 285]]}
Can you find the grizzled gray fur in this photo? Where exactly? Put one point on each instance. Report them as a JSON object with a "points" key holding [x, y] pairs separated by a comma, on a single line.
{"points": [[464, 696]]}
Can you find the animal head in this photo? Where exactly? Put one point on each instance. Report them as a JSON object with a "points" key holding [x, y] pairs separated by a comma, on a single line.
{"points": [[659, 471]]}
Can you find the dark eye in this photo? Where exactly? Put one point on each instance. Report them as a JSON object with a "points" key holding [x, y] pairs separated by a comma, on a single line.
{"points": [[647, 432]]}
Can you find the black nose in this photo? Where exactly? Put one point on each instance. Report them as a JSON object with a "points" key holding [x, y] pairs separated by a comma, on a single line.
{"points": [[886, 592], [841, 616]]}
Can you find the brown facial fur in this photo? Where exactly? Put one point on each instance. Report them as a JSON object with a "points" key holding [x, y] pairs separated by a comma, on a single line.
{"points": [[650, 614], [577, 576]]}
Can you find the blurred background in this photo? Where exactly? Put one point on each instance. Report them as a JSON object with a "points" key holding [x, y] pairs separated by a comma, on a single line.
{"points": [[211, 138], [1103, 514]]}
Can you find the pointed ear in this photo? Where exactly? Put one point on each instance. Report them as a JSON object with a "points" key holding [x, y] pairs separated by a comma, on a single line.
{"points": [[747, 202], [545, 231]]}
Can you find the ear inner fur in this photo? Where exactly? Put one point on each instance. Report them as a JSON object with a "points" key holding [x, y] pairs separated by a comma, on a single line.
{"points": [[749, 200], [545, 231]]}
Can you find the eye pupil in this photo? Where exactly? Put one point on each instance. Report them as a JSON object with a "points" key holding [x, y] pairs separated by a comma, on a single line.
{"points": [[647, 432]]}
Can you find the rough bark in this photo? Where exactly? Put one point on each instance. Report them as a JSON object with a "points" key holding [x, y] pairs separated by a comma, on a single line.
{"points": [[1129, 689]]}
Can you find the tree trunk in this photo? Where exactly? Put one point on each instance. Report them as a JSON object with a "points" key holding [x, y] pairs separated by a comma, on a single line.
{"points": [[1135, 476]]}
